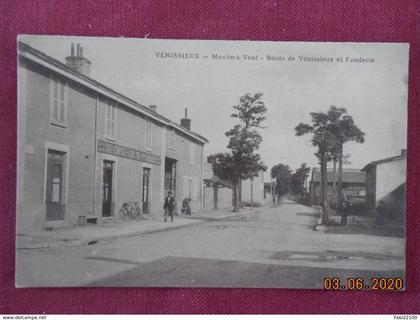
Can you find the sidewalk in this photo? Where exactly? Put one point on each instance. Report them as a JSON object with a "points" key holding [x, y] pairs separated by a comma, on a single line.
{"points": [[115, 229], [220, 214]]}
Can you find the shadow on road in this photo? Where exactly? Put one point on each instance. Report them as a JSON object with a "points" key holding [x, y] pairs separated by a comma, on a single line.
{"points": [[199, 272]]}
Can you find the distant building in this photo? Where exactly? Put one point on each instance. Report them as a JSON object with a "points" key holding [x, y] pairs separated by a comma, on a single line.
{"points": [[353, 184], [386, 180], [268, 192], [85, 149]]}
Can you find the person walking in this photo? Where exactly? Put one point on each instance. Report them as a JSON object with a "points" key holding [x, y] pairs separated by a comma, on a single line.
{"points": [[169, 206]]}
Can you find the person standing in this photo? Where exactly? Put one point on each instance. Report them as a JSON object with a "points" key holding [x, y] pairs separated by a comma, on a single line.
{"points": [[345, 208], [380, 213], [169, 206]]}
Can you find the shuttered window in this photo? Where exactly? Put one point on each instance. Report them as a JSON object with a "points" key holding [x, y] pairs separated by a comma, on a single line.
{"points": [[110, 122], [172, 145], [148, 136], [58, 110]]}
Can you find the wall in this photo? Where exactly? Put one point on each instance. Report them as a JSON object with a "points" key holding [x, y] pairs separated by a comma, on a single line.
{"points": [[371, 187], [354, 189], [224, 198], [189, 175], [389, 176], [257, 189]]}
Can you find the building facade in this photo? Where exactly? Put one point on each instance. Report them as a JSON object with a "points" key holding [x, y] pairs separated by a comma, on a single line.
{"points": [[85, 149], [386, 181], [353, 184]]}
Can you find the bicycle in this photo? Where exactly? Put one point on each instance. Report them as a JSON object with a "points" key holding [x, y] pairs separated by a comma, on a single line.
{"points": [[130, 211]]}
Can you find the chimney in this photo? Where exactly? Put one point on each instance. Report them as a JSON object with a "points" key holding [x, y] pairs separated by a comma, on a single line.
{"points": [[153, 107], [77, 61], [404, 152], [185, 122]]}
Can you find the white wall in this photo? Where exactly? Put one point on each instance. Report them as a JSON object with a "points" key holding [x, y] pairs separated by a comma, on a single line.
{"points": [[389, 176], [257, 189]]}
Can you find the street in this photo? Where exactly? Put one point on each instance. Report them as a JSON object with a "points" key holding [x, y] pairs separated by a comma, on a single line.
{"points": [[271, 247]]}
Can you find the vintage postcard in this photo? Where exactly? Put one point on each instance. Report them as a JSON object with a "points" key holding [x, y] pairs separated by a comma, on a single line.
{"points": [[197, 163]]}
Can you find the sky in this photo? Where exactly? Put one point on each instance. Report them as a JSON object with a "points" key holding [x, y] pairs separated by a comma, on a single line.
{"points": [[374, 93]]}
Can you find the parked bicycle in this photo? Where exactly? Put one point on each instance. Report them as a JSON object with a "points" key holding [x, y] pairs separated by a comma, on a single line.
{"points": [[130, 211]]}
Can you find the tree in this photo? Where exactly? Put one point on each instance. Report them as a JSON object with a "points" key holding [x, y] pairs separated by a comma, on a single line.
{"points": [[329, 133], [242, 162], [283, 177], [298, 180], [323, 139], [344, 130]]}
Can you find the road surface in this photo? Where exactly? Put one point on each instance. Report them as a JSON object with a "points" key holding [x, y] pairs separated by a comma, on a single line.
{"points": [[272, 247]]}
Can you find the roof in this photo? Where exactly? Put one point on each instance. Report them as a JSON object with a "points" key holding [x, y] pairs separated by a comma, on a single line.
{"points": [[372, 164], [47, 61], [216, 180], [349, 175]]}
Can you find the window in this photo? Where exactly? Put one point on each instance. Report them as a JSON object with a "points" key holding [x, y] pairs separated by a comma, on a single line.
{"points": [[58, 110], [148, 136], [110, 123], [192, 153], [172, 145]]}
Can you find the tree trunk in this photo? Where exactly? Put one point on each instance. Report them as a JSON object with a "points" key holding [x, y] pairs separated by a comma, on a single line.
{"points": [[340, 179], [273, 196], [324, 205], [252, 193], [334, 184], [235, 195], [215, 196]]}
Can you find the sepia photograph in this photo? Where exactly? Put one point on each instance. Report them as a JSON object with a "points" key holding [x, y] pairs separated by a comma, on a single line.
{"points": [[210, 163]]}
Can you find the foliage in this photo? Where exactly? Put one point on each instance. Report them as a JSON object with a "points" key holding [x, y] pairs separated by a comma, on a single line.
{"points": [[242, 162], [330, 131], [298, 180], [283, 177]]}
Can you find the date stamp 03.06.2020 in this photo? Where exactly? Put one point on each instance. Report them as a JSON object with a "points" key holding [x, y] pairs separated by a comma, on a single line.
{"points": [[376, 284]]}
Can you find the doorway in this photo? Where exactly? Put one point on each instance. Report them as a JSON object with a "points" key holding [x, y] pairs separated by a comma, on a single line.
{"points": [[55, 208], [107, 180], [146, 190], [170, 176]]}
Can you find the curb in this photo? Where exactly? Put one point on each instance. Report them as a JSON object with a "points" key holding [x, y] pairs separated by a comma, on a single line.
{"points": [[80, 243], [220, 217]]}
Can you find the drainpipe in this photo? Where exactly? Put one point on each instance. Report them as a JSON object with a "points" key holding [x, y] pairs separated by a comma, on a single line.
{"points": [[202, 177], [95, 155]]}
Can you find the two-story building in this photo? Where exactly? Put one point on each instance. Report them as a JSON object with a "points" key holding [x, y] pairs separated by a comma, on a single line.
{"points": [[85, 149]]}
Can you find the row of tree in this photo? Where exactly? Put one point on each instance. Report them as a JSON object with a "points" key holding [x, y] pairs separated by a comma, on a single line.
{"points": [[286, 181], [330, 131]]}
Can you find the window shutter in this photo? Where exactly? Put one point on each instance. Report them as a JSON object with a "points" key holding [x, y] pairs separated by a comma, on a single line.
{"points": [[61, 113], [55, 110]]}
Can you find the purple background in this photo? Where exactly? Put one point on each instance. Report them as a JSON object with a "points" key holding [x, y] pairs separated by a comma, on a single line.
{"points": [[363, 20]]}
